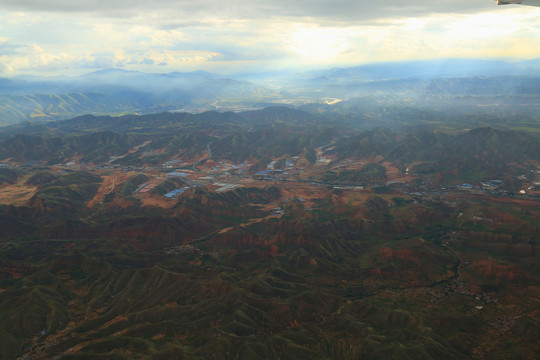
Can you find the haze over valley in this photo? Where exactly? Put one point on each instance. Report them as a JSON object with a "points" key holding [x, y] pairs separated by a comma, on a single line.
{"points": [[443, 86]]}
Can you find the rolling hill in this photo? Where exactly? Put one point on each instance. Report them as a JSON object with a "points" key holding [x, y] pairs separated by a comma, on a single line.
{"points": [[268, 234]]}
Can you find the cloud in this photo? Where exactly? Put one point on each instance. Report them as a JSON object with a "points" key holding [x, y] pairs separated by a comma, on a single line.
{"points": [[7, 48], [348, 11], [32, 56], [181, 35], [157, 36], [317, 44]]}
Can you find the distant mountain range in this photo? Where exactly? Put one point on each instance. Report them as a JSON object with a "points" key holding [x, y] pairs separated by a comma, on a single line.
{"points": [[420, 83], [115, 91], [427, 69]]}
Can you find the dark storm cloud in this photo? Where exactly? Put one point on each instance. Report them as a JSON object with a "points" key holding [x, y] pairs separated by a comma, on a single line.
{"points": [[348, 11]]}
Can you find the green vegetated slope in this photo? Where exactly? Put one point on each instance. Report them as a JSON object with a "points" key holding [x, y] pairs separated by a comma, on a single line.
{"points": [[237, 137], [466, 156], [168, 186], [96, 147], [333, 282], [345, 274], [369, 172], [8, 176], [270, 142], [67, 193], [50, 107]]}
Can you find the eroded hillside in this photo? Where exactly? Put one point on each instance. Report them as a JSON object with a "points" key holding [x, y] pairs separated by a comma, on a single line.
{"points": [[270, 236]]}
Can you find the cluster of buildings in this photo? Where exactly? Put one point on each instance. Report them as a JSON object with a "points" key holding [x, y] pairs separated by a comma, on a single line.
{"points": [[183, 249], [462, 288], [189, 249], [179, 174], [145, 188], [173, 194], [171, 164], [491, 184]]}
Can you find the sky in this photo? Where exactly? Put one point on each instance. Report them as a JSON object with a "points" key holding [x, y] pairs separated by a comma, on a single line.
{"points": [[71, 37]]}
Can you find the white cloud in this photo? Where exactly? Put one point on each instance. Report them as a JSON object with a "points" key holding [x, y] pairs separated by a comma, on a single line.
{"points": [[61, 35], [157, 37], [318, 44], [32, 57], [179, 58]]}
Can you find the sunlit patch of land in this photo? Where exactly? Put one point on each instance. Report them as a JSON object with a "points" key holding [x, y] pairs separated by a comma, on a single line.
{"points": [[107, 186], [17, 194], [158, 201]]}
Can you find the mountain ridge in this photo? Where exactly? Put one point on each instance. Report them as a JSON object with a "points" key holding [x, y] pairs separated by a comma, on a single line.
{"points": [[125, 91]]}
